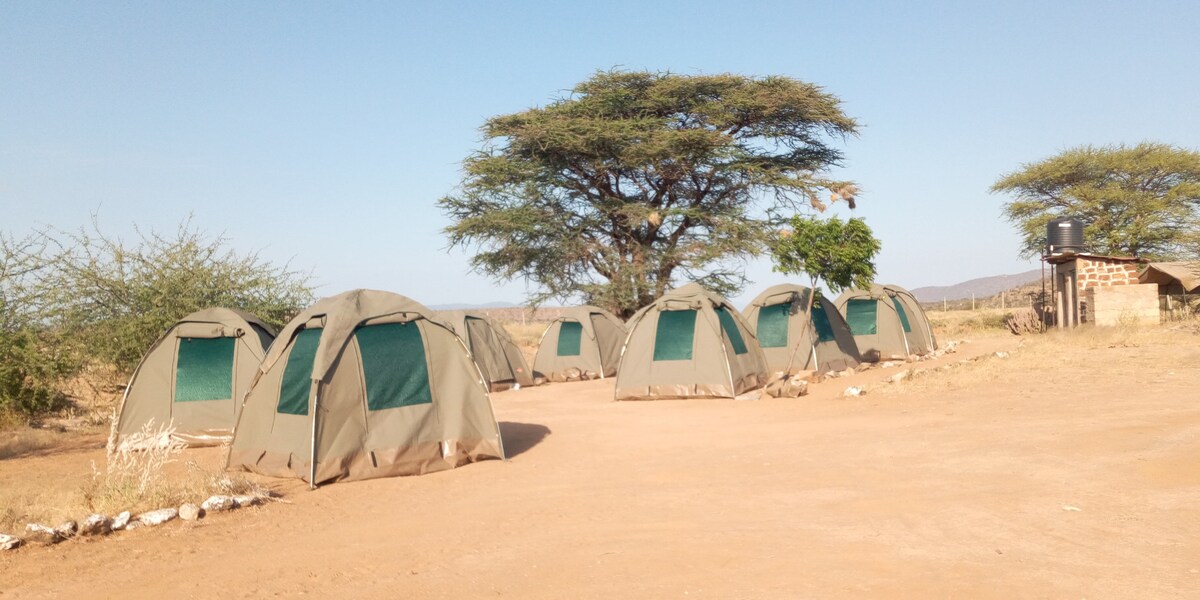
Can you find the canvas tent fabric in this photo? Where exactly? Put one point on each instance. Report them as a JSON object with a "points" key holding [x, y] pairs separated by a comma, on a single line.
{"points": [[886, 322], [914, 321], [1181, 277], [587, 338], [690, 343], [193, 378], [790, 341], [361, 385], [498, 356]]}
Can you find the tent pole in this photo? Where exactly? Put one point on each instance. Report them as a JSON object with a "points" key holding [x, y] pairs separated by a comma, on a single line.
{"points": [[312, 463]]}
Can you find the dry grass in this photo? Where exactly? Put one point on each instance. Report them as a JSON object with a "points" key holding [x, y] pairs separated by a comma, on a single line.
{"points": [[956, 324], [136, 479], [1043, 356], [15, 443], [132, 480], [527, 335]]}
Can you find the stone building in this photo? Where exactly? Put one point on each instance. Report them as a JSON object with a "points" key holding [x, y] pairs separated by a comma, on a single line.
{"points": [[1082, 294]]}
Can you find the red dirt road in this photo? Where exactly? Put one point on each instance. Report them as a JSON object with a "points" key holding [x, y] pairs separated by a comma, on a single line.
{"points": [[960, 485]]}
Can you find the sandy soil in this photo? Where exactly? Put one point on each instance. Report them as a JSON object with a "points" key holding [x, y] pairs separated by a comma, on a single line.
{"points": [[955, 485]]}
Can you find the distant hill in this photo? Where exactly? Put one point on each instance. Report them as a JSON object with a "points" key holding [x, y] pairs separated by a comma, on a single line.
{"points": [[981, 288]]}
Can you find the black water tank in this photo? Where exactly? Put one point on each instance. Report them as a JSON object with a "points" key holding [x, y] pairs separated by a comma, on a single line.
{"points": [[1063, 235]]}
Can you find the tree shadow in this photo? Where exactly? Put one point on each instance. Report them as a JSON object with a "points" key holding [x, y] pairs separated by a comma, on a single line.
{"points": [[519, 437]]}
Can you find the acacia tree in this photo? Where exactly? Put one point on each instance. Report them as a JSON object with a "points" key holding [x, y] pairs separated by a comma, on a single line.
{"points": [[839, 253], [637, 178], [1142, 200]]}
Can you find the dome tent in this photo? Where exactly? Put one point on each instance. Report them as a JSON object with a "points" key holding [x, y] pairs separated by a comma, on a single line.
{"points": [[193, 378], [887, 322], [494, 350], [361, 385], [690, 343], [790, 341], [587, 338]]}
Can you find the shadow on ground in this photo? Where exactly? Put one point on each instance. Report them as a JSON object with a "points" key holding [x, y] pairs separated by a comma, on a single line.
{"points": [[519, 437]]}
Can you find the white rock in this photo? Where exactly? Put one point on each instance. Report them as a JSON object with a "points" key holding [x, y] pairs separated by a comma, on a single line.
{"points": [[190, 512], [40, 534], [157, 517], [219, 503], [67, 529], [898, 377], [121, 521], [1001, 355], [10, 542], [853, 391], [247, 500], [1069, 508], [133, 525], [96, 524]]}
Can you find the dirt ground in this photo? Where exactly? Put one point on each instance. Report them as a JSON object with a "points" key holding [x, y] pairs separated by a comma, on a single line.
{"points": [[1070, 469]]}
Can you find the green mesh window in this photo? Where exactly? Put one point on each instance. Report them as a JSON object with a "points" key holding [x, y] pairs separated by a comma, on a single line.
{"points": [[860, 316], [569, 335], [297, 375], [393, 360], [773, 325], [821, 323], [903, 315], [729, 325], [204, 369], [674, 335]]}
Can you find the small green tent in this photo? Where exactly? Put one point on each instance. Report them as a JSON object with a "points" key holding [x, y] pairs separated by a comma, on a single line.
{"points": [[193, 378], [887, 322], [790, 341], [587, 338], [690, 343]]}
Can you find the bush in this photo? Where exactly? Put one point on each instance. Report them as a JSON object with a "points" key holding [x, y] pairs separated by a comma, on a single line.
{"points": [[118, 298], [34, 360], [69, 300], [33, 366]]}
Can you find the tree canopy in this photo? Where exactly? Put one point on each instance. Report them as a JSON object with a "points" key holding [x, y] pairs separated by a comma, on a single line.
{"points": [[839, 253], [636, 178], [1141, 200]]}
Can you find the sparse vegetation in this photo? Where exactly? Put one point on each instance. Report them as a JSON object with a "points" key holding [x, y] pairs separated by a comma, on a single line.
{"points": [[964, 323], [70, 301]]}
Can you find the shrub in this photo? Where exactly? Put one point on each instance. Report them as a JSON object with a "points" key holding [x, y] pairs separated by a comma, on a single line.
{"points": [[117, 298], [87, 298]]}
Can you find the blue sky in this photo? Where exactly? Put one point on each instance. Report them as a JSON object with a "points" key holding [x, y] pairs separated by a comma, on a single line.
{"points": [[323, 133]]}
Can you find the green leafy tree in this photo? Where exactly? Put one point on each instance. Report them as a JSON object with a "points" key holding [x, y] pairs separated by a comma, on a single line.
{"points": [[637, 178], [118, 297], [35, 359], [841, 254], [1141, 200]]}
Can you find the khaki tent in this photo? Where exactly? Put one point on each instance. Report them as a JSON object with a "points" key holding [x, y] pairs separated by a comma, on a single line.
{"points": [[587, 338], [690, 343], [494, 350], [360, 385], [1173, 277], [887, 322], [792, 342], [193, 378]]}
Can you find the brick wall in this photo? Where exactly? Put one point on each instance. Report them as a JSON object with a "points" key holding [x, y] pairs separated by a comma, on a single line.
{"points": [[1094, 273]]}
